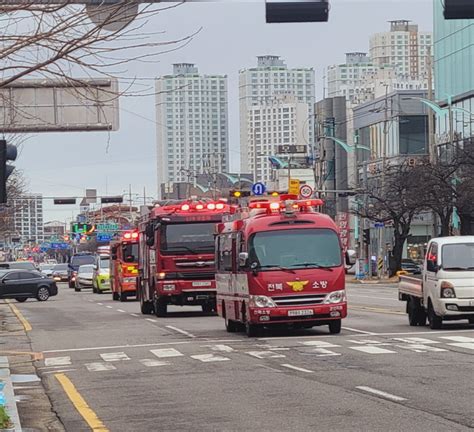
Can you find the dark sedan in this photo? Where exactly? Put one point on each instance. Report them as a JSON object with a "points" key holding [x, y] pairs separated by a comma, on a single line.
{"points": [[60, 273], [24, 284]]}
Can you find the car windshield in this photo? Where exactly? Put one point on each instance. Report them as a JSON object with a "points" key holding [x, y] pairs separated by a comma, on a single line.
{"points": [[22, 265], [80, 260], [86, 269], [60, 267], [130, 252], [185, 238], [296, 248], [104, 263], [459, 256]]}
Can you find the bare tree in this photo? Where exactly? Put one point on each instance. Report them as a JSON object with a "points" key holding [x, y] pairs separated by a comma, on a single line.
{"points": [[393, 200], [16, 188]]}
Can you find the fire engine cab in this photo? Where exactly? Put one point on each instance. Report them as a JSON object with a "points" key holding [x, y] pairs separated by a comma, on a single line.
{"points": [[124, 266], [280, 262], [176, 255]]}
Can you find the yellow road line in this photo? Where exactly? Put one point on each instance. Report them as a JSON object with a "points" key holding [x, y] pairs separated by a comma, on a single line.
{"points": [[80, 404], [377, 310], [19, 315]]}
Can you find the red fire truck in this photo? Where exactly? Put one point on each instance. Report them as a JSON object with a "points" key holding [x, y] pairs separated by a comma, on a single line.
{"points": [[176, 255], [124, 266], [280, 262]]}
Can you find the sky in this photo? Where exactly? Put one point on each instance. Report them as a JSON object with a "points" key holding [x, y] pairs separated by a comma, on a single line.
{"points": [[232, 35]]}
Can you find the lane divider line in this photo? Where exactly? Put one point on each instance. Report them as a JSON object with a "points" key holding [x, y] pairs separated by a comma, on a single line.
{"points": [[151, 320], [359, 331], [296, 368], [114, 347], [80, 404], [184, 332], [381, 393], [134, 315], [19, 315], [120, 310]]}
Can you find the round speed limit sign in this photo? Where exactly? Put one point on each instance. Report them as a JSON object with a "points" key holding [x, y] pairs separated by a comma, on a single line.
{"points": [[306, 191]]}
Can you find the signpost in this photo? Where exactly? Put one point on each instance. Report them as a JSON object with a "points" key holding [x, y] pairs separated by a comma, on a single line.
{"points": [[292, 149], [258, 188], [306, 191], [294, 187]]}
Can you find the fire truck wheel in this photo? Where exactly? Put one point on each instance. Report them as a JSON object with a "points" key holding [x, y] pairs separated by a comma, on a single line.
{"points": [[77, 289], [115, 296], [207, 307], [231, 326], [94, 289], [161, 307], [251, 330], [123, 297], [335, 326], [146, 307]]}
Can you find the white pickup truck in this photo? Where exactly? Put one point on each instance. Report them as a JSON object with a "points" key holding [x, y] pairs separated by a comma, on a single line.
{"points": [[445, 290]]}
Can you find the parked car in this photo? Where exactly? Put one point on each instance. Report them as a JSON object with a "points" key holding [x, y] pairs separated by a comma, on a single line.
{"points": [[78, 260], [24, 284], [101, 276], [84, 277], [46, 269], [60, 272], [411, 267], [23, 265]]}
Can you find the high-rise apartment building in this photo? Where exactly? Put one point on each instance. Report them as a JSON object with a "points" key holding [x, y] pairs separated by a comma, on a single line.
{"points": [[28, 218], [404, 47], [276, 122], [343, 79], [258, 87], [192, 124]]}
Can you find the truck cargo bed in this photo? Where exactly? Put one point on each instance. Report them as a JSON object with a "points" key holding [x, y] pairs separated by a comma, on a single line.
{"points": [[410, 285]]}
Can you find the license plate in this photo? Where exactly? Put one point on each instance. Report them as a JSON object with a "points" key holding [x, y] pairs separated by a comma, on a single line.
{"points": [[471, 303], [202, 284], [304, 312]]}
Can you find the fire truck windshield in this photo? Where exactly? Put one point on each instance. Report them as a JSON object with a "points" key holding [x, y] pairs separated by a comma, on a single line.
{"points": [[295, 248], [184, 238], [130, 252]]}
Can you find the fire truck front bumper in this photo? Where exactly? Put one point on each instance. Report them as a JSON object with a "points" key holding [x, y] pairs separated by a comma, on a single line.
{"points": [[129, 284], [307, 315], [187, 292]]}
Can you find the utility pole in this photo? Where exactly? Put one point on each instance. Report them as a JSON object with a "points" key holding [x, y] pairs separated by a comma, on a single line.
{"points": [[431, 141], [254, 155], [130, 198]]}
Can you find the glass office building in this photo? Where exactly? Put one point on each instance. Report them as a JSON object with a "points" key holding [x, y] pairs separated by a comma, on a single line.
{"points": [[454, 77]]}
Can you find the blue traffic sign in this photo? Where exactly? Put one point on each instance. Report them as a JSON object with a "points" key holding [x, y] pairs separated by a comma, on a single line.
{"points": [[258, 188], [379, 224], [59, 246], [104, 237]]}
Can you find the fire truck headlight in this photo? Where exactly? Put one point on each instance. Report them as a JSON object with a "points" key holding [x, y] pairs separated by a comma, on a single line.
{"points": [[261, 302], [168, 287], [161, 275], [336, 297]]}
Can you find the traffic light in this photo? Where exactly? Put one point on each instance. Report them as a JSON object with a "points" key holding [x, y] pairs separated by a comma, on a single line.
{"points": [[458, 9], [367, 236], [8, 152], [111, 199], [286, 11], [62, 201]]}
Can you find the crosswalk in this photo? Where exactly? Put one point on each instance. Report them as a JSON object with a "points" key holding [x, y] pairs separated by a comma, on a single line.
{"points": [[224, 353]]}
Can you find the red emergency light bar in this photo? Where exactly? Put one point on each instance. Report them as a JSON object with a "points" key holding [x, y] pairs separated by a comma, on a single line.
{"points": [[132, 235], [285, 204]]}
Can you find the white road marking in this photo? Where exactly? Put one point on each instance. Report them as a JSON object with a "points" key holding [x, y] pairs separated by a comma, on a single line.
{"points": [[221, 348], [209, 358], [100, 304], [109, 307], [151, 320], [31, 387], [166, 352], [99, 367], [115, 347], [381, 393], [416, 340], [272, 347], [359, 331], [370, 349], [184, 332], [265, 354], [296, 368], [57, 361], [322, 352], [120, 310], [320, 344], [135, 315], [458, 338], [153, 363], [421, 333], [57, 371], [421, 348], [467, 345], [368, 342], [114, 356]]}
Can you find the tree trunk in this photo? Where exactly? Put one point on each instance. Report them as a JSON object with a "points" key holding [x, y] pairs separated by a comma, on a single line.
{"points": [[401, 233]]}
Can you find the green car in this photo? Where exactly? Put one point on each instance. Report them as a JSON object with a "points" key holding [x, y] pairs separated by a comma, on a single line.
{"points": [[101, 275]]}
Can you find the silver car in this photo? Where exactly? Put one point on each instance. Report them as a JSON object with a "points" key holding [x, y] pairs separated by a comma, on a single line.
{"points": [[84, 277]]}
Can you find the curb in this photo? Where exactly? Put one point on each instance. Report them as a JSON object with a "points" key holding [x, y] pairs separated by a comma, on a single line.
{"points": [[10, 405], [374, 282]]}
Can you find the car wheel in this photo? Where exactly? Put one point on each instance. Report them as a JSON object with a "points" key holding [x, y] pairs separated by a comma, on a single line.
{"points": [[77, 289], [42, 294], [435, 321], [335, 326], [21, 299]]}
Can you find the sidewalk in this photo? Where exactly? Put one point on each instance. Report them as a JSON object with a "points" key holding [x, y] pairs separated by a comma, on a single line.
{"points": [[31, 401], [389, 281]]}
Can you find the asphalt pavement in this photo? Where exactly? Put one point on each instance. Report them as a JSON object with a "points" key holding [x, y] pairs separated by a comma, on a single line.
{"points": [[185, 372]]}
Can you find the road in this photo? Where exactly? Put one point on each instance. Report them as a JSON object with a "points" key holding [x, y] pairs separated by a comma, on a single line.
{"points": [[184, 372]]}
